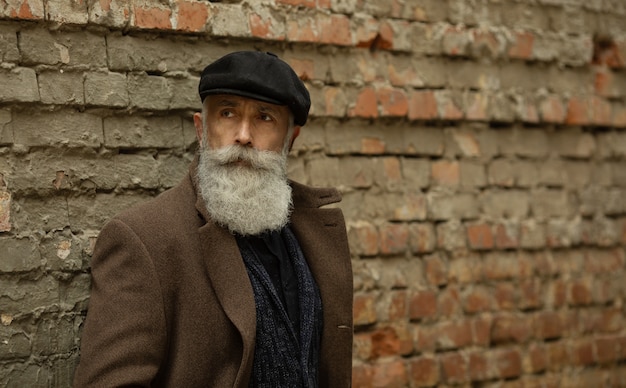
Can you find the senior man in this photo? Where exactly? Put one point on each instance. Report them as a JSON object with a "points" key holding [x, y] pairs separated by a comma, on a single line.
{"points": [[236, 277]]}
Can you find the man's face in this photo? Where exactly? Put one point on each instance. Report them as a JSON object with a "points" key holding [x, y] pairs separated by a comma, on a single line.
{"points": [[234, 120]]}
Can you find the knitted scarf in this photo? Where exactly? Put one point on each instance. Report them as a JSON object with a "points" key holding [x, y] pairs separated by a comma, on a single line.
{"points": [[281, 359]]}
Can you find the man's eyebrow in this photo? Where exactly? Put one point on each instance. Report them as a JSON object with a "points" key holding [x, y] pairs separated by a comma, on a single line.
{"points": [[227, 102], [266, 109]]}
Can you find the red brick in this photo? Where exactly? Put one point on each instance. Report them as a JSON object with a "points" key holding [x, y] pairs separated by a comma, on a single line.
{"points": [[385, 342], [601, 111], [405, 337], [152, 17], [5, 209], [580, 292], [607, 52], [390, 374], [453, 335], [582, 352], [531, 294], [436, 270], [192, 16], [260, 27], [366, 104], [552, 109], [480, 236], [449, 302], [304, 68], [558, 293], [422, 106], [522, 47], [364, 309], [372, 146], [385, 36], [506, 236], [547, 325], [393, 102], [454, 368], [302, 30], [508, 363], [423, 239], [445, 173], [481, 328], [621, 346], [424, 371], [366, 33], [394, 238], [603, 82], [578, 111], [384, 374], [603, 261], [505, 296], [606, 350], [610, 320], [558, 356], [477, 299], [479, 366], [537, 359], [423, 304], [24, 9], [511, 328], [465, 267], [362, 376], [334, 29], [424, 338]]}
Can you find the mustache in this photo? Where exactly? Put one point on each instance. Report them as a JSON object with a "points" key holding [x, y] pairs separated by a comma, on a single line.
{"points": [[258, 159]]}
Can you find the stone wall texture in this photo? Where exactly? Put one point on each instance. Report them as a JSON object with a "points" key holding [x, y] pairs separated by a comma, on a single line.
{"points": [[480, 146]]}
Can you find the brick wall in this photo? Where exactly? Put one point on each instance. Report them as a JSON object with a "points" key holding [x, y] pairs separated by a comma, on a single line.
{"points": [[480, 147]]}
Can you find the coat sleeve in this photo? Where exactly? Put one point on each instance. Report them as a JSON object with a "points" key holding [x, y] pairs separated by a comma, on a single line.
{"points": [[124, 337]]}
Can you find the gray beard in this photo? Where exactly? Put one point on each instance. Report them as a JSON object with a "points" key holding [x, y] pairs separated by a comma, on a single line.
{"points": [[248, 198]]}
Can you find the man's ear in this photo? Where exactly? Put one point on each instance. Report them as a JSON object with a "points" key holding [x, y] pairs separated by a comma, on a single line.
{"points": [[197, 122], [296, 132]]}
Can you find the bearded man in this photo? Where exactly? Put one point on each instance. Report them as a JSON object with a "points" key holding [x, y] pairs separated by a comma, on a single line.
{"points": [[237, 277]]}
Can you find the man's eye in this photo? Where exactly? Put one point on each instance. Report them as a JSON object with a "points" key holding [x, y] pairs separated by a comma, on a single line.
{"points": [[266, 117], [227, 113]]}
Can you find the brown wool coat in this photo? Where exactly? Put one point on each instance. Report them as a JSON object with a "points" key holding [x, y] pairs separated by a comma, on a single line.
{"points": [[172, 306]]}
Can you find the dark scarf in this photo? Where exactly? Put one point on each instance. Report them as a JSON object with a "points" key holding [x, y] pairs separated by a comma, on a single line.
{"points": [[283, 355]]}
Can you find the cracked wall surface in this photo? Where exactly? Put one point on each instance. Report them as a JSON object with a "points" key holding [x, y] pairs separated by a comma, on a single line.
{"points": [[480, 147]]}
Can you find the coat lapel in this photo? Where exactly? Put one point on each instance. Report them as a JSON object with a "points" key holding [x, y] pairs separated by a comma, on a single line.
{"points": [[229, 278], [230, 281], [321, 235]]}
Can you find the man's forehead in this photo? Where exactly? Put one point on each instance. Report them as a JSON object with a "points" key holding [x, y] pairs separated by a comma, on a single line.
{"points": [[235, 101]]}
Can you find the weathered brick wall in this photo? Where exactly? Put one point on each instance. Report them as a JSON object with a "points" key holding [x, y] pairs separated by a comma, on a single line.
{"points": [[480, 146]]}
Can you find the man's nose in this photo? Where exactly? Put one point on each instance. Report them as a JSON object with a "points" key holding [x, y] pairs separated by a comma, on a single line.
{"points": [[244, 133]]}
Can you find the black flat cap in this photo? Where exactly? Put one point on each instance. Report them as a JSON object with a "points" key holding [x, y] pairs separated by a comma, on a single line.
{"points": [[258, 75]]}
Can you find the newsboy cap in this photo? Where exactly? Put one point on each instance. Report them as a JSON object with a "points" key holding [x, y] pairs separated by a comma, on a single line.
{"points": [[258, 75]]}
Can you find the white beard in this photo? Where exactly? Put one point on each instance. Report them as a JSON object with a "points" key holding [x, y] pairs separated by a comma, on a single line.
{"points": [[248, 198]]}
